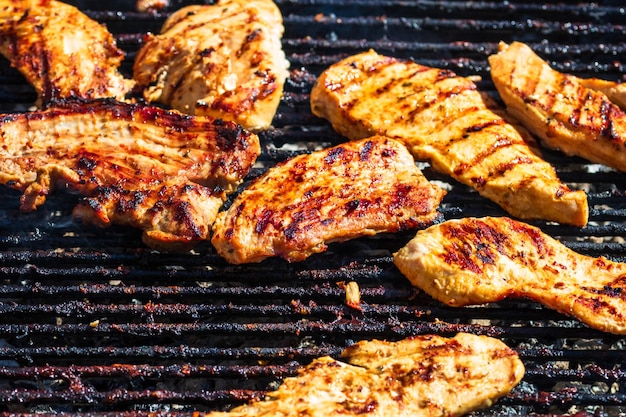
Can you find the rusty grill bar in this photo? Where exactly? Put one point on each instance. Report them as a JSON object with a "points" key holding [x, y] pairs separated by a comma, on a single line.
{"points": [[94, 323]]}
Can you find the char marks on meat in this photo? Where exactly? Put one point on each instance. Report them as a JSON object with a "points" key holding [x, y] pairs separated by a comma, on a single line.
{"points": [[474, 261], [224, 60], [559, 108], [60, 51], [296, 208], [422, 376], [444, 119], [161, 171]]}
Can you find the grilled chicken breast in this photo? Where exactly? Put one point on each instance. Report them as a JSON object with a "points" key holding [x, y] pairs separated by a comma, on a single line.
{"points": [[444, 119], [296, 208], [160, 171], [484, 260], [419, 376], [558, 108], [61, 51], [224, 60], [616, 92]]}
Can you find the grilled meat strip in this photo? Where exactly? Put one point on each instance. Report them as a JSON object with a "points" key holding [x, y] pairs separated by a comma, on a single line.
{"points": [[296, 208], [443, 119], [616, 92], [558, 108], [224, 60], [425, 375], [484, 260], [60, 51], [161, 171]]}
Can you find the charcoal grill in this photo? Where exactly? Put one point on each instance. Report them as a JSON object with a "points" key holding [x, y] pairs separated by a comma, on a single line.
{"points": [[94, 323]]}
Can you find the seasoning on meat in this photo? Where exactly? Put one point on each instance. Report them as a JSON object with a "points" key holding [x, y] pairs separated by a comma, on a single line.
{"points": [[444, 119], [483, 260], [161, 171], [60, 51], [616, 92], [420, 376], [224, 60], [558, 108], [355, 189]]}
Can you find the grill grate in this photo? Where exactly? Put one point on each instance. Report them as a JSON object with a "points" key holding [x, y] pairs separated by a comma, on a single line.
{"points": [[94, 323]]}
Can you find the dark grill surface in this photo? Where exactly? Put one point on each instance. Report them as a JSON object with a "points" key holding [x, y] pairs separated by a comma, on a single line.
{"points": [[93, 322]]}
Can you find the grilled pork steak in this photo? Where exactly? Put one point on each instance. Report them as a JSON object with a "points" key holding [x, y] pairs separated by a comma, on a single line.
{"points": [[419, 376], [160, 171], [443, 119], [61, 51], [224, 60], [558, 107], [476, 261], [358, 188]]}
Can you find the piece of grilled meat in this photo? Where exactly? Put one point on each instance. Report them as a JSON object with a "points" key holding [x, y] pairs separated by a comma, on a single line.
{"points": [[161, 171], [558, 108], [224, 60], [296, 208], [444, 119], [616, 92], [60, 51], [483, 260], [421, 376]]}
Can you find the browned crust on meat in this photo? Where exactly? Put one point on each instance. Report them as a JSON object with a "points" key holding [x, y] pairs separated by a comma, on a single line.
{"points": [[224, 60], [482, 260], [161, 171], [61, 51], [420, 376], [443, 119], [354, 189], [558, 107]]}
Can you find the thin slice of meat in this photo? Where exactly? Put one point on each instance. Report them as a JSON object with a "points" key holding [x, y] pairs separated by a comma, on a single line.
{"points": [[225, 60], [421, 376], [443, 119], [558, 108], [161, 171], [61, 51], [296, 208], [483, 260]]}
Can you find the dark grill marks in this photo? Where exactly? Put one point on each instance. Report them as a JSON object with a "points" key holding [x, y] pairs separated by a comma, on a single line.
{"points": [[414, 85], [474, 245]]}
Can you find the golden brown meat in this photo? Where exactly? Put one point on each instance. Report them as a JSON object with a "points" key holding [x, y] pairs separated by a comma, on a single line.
{"points": [[616, 92], [558, 108], [61, 51], [444, 119], [160, 171], [224, 60], [421, 376], [354, 189], [476, 261]]}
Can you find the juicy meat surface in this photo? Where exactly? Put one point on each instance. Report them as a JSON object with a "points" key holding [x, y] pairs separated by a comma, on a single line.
{"points": [[419, 376], [444, 119], [296, 208], [224, 60], [483, 260], [60, 51], [558, 108], [161, 171], [616, 92]]}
